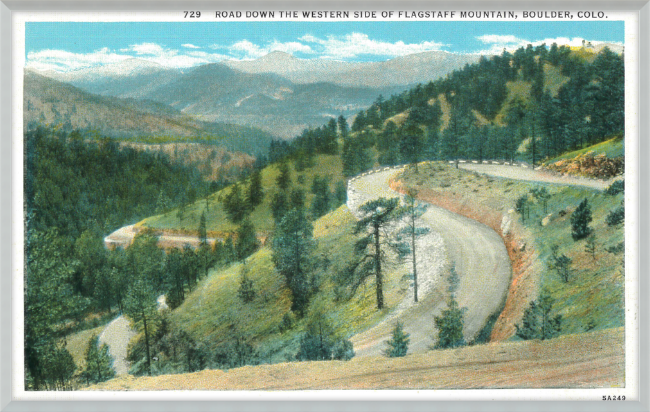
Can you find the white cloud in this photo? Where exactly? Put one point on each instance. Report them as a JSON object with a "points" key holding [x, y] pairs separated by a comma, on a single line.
{"points": [[150, 49], [500, 39], [245, 49], [358, 44], [61, 60], [190, 46]]}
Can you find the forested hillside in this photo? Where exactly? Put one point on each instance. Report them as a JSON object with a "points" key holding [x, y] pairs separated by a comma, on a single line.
{"points": [[529, 105], [75, 193]]}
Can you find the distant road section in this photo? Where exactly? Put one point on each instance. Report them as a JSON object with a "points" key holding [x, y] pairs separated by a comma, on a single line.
{"points": [[476, 250], [117, 335], [123, 237], [537, 175]]}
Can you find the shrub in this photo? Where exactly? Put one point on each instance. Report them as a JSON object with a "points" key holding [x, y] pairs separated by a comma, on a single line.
{"points": [[450, 326], [580, 220], [398, 344], [537, 322], [616, 216], [615, 188]]}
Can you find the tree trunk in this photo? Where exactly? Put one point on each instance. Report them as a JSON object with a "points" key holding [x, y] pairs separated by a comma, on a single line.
{"points": [[380, 281], [146, 341], [415, 273]]}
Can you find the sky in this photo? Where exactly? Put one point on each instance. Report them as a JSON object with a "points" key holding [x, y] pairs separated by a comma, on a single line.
{"points": [[66, 46]]}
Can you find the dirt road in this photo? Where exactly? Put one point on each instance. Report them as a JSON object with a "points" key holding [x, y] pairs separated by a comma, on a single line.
{"points": [[117, 335], [123, 237], [477, 252], [537, 175]]}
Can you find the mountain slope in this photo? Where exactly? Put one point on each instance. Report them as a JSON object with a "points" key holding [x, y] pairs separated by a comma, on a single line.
{"points": [[400, 71], [48, 101], [215, 92]]}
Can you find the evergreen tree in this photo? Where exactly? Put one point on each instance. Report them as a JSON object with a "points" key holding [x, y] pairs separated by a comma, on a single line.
{"points": [[450, 326], [284, 178], [203, 232], [293, 247], [412, 212], [297, 199], [247, 242], [140, 306], [580, 220], [378, 214], [234, 205], [590, 246], [561, 263], [246, 290], [343, 127], [537, 322], [98, 362], [255, 193], [398, 344]]}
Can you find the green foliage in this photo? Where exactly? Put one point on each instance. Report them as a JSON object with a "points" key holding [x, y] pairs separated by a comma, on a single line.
{"points": [[453, 279], [561, 263], [321, 203], [284, 178], [293, 247], [234, 205], [541, 195], [247, 242], [255, 192], [140, 306], [616, 216], [398, 343], [378, 214], [537, 322], [320, 343], [590, 246], [98, 363], [246, 290], [412, 211], [450, 326], [279, 206], [522, 206], [580, 220], [615, 188]]}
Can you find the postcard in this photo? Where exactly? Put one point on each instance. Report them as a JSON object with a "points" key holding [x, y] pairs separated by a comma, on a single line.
{"points": [[271, 203]]}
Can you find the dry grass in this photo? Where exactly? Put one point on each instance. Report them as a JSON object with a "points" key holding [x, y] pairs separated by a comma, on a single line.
{"points": [[590, 360]]}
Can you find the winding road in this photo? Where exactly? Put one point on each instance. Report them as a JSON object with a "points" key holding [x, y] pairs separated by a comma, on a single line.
{"points": [[536, 175], [476, 250]]}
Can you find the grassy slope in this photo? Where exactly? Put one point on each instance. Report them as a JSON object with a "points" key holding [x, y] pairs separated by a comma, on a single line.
{"points": [[77, 344], [590, 360], [596, 289], [614, 147], [214, 305], [261, 217]]}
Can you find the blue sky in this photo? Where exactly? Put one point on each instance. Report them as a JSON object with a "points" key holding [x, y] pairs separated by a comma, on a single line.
{"points": [[65, 46]]}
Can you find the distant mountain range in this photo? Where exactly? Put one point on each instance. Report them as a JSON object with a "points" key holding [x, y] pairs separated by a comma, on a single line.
{"points": [[48, 101], [277, 93]]}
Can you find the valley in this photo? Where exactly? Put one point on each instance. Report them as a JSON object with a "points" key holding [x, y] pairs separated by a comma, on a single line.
{"points": [[306, 232]]}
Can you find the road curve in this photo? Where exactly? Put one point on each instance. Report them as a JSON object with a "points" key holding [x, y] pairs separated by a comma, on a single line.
{"points": [[117, 335], [478, 253], [537, 175]]}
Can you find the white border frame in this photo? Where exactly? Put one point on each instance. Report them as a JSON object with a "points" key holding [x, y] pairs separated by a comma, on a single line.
{"points": [[641, 232]]}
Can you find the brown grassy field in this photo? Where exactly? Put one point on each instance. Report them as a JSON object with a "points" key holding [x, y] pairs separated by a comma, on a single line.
{"points": [[589, 360]]}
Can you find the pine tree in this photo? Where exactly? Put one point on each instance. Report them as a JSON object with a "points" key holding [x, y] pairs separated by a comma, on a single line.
{"points": [[590, 246], [293, 247], [537, 322], [246, 290], [398, 344], [140, 306], [450, 326], [284, 178], [98, 362], [580, 220], [203, 232], [378, 214], [560, 263], [255, 193], [247, 242], [412, 212]]}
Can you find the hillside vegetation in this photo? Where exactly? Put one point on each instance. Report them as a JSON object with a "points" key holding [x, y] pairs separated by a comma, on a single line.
{"points": [[244, 302], [592, 297], [592, 360]]}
